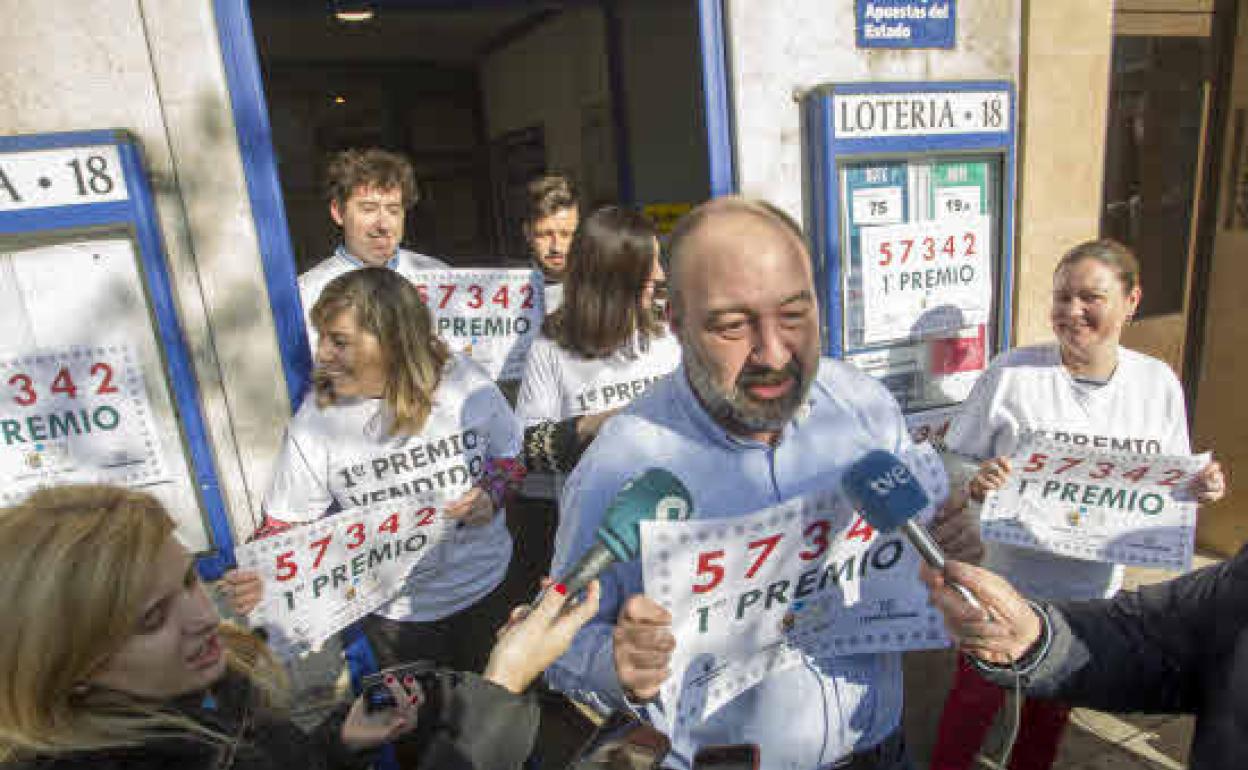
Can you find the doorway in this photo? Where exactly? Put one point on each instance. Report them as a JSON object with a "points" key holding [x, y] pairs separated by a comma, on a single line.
{"points": [[482, 96], [1160, 103]]}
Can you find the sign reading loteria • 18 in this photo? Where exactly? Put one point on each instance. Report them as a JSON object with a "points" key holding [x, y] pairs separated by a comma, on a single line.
{"points": [[883, 115]]}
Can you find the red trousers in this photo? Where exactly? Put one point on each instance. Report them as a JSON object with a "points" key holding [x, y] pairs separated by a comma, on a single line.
{"points": [[969, 710]]}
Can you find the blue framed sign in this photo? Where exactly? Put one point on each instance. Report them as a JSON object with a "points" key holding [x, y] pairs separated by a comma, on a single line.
{"points": [[912, 221], [96, 381], [906, 23]]}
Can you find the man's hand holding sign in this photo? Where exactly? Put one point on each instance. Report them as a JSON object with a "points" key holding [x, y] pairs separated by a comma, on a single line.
{"points": [[730, 600]]}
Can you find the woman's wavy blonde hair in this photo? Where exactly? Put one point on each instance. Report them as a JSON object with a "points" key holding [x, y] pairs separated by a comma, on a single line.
{"points": [[388, 307], [75, 570]]}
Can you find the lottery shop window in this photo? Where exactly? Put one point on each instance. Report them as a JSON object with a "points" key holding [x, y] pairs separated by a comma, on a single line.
{"points": [[920, 260]]}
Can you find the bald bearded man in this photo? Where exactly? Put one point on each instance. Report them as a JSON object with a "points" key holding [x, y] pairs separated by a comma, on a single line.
{"points": [[753, 417]]}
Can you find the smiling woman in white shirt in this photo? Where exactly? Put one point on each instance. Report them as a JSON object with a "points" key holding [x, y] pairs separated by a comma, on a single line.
{"points": [[601, 349], [1094, 392], [394, 414]]}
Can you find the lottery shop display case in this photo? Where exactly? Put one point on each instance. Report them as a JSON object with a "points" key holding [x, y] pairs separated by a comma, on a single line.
{"points": [[911, 207], [96, 382]]}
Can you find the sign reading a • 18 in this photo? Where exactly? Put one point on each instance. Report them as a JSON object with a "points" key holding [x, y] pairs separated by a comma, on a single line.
{"points": [[882, 115], [61, 177]]}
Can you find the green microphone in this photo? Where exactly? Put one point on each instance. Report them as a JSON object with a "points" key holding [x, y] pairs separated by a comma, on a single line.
{"points": [[655, 494]]}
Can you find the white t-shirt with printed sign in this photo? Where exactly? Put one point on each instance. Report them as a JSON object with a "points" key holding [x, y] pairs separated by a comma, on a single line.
{"points": [[559, 384], [1140, 409], [340, 457]]}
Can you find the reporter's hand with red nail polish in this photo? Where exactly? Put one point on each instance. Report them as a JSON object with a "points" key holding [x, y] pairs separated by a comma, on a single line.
{"points": [[366, 730], [535, 637]]}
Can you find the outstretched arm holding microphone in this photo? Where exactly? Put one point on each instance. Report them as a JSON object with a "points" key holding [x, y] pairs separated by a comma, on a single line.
{"points": [[1175, 647]]}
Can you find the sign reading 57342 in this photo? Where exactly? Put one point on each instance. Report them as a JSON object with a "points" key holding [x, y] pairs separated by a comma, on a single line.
{"points": [[75, 415], [61, 177]]}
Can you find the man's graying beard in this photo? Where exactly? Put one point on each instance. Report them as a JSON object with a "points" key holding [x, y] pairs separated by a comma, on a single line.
{"points": [[737, 408]]}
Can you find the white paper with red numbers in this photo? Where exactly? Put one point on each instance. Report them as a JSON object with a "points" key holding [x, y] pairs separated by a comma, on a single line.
{"points": [[321, 577], [76, 415], [1121, 507], [922, 278], [489, 315], [847, 589]]}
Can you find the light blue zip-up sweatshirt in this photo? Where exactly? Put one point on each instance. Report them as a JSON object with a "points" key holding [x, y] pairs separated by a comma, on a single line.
{"points": [[802, 718]]}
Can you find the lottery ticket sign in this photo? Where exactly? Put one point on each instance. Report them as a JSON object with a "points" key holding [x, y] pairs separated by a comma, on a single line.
{"points": [[915, 269], [755, 594], [1120, 507], [491, 316], [75, 416], [321, 577]]}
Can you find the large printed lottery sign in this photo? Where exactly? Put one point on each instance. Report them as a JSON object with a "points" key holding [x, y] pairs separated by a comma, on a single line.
{"points": [[756, 594], [75, 415], [921, 278], [492, 316], [1120, 507], [321, 577]]}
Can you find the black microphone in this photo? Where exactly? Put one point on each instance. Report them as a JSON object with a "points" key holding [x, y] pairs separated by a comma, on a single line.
{"points": [[655, 494]]}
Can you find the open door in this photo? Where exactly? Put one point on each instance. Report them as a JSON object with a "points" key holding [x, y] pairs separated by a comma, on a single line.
{"points": [[1222, 369], [1158, 134]]}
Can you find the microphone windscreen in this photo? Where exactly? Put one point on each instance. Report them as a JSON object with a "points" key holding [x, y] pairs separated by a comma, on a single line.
{"points": [[884, 490], [655, 494]]}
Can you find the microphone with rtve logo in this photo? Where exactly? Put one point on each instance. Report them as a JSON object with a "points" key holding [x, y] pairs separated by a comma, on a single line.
{"points": [[889, 497]]}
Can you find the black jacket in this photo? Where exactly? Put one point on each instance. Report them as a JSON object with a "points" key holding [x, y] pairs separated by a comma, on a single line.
{"points": [[478, 726], [1174, 647]]}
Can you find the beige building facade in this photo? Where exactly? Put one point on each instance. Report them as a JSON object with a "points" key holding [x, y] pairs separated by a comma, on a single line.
{"points": [[651, 102]]}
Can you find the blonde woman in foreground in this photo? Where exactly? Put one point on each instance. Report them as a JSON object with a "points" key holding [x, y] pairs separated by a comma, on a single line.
{"points": [[114, 657]]}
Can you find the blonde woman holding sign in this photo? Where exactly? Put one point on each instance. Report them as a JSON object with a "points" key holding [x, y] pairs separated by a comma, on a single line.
{"points": [[1086, 387], [394, 418], [114, 658]]}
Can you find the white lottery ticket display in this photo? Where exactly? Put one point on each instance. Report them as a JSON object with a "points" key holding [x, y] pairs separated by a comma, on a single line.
{"points": [[492, 316], [1117, 507], [83, 388], [75, 416], [321, 577], [755, 594], [921, 278]]}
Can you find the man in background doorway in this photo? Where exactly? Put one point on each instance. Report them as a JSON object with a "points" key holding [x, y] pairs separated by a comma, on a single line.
{"points": [[369, 193], [553, 214]]}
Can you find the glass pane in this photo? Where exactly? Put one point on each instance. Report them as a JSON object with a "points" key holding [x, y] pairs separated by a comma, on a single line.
{"points": [[920, 256], [1156, 107]]}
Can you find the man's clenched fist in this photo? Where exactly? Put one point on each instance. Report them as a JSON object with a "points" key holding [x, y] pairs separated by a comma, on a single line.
{"points": [[643, 647]]}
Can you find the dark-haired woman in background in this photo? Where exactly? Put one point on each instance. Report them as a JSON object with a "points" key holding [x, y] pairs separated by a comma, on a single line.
{"points": [[597, 352]]}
